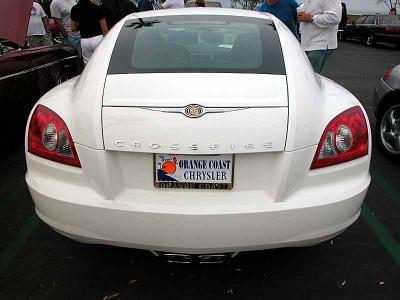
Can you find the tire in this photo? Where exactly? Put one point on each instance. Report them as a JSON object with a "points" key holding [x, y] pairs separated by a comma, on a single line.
{"points": [[62, 77], [387, 131], [370, 41]]}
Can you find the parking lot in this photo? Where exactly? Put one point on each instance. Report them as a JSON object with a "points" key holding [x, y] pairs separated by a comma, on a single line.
{"points": [[361, 263]]}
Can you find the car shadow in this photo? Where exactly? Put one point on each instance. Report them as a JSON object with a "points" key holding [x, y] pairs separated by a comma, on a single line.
{"points": [[386, 46]]}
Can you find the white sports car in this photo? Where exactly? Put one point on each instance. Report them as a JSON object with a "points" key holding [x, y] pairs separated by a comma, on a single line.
{"points": [[199, 131]]}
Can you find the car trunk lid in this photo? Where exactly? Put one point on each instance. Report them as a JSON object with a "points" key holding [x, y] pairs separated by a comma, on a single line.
{"points": [[14, 20], [241, 113], [180, 89]]}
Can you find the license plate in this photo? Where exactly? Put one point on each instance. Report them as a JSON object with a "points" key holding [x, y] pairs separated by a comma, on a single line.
{"points": [[193, 171]]}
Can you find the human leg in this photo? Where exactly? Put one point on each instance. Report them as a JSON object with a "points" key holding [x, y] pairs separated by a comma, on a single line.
{"points": [[318, 58], [73, 42], [46, 40], [34, 41]]}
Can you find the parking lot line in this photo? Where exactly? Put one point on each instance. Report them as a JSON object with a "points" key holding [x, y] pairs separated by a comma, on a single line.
{"points": [[11, 251], [386, 186], [388, 242]]}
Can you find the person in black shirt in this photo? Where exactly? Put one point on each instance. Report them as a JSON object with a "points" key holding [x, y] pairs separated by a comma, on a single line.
{"points": [[144, 5], [200, 3], [115, 10], [89, 19]]}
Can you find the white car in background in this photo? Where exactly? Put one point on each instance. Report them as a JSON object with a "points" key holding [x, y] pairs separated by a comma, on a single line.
{"points": [[199, 131]]}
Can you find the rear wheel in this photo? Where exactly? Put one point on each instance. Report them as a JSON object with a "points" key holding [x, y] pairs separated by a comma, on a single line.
{"points": [[61, 78], [371, 41], [388, 131]]}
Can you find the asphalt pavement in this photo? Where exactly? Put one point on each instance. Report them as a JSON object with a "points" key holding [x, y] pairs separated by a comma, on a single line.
{"points": [[361, 263]]}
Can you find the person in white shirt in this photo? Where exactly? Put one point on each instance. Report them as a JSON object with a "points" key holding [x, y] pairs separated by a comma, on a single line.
{"points": [[38, 29], [61, 13], [173, 4], [318, 27]]}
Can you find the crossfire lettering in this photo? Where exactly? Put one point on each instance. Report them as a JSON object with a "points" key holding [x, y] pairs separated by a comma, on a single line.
{"points": [[193, 147]]}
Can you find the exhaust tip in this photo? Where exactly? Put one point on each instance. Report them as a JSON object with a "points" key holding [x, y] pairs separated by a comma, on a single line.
{"points": [[180, 258], [212, 258], [176, 258]]}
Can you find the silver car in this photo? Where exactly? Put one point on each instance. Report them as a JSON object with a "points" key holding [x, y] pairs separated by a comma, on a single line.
{"points": [[387, 111]]}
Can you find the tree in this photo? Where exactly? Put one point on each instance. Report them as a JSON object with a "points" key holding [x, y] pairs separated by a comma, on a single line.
{"points": [[391, 4], [246, 4]]}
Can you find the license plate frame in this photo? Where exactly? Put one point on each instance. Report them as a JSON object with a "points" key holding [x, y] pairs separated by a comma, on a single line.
{"points": [[165, 184]]}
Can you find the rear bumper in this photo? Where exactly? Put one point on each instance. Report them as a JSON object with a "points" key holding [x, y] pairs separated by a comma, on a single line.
{"points": [[198, 222], [198, 234]]}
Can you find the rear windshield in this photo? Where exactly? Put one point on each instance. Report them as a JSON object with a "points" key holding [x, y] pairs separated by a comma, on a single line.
{"points": [[389, 20], [197, 44]]}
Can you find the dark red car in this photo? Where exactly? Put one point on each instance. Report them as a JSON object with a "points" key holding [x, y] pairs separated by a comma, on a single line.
{"points": [[26, 74]]}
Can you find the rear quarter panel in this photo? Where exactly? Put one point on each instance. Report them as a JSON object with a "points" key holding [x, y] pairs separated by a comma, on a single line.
{"points": [[84, 95], [313, 100], [394, 79], [27, 74]]}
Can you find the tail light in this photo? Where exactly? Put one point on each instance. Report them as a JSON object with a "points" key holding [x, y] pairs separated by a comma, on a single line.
{"points": [[387, 74], [344, 139], [49, 137]]}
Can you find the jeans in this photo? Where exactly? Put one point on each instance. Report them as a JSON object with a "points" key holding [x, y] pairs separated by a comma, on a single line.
{"points": [[318, 58], [73, 42]]}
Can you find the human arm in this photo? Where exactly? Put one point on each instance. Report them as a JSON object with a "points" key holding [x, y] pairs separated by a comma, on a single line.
{"points": [[46, 25], [43, 15], [60, 27], [331, 15], [166, 4], [74, 25], [103, 25], [293, 7], [99, 11], [74, 20], [56, 14]]}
